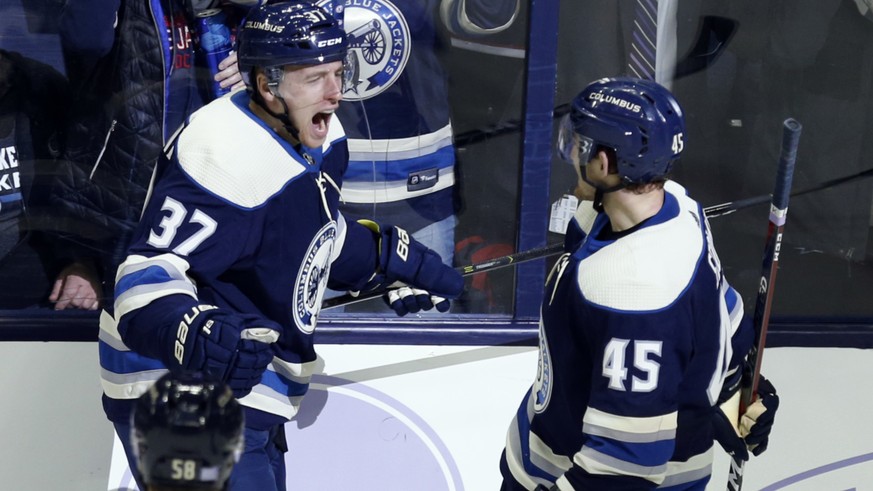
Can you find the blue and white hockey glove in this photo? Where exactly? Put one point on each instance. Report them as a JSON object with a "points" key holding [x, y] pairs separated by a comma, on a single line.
{"points": [[233, 347], [405, 260]]}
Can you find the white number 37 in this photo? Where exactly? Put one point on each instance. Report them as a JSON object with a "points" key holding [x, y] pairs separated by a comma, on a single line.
{"points": [[615, 365], [170, 224]]}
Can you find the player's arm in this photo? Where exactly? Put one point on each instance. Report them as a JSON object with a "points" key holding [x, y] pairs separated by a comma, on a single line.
{"points": [[736, 433], [374, 256], [185, 233]]}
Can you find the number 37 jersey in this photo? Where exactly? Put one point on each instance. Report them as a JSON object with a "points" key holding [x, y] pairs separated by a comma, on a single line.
{"points": [[635, 344]]}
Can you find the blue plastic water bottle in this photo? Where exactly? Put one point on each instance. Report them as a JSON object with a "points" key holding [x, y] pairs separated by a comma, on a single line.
{"points": [[216, 43]]}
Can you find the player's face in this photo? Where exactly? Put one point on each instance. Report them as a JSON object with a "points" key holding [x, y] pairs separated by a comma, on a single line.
{"points": [[312, 94]]}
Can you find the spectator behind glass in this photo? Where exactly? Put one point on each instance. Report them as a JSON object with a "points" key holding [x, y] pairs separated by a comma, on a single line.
{"points": [[136, 76], [34, 99], [396, 112]]}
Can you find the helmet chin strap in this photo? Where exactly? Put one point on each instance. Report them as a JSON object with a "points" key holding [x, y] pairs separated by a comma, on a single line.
{"points": [[599, 192], [283, 117]]}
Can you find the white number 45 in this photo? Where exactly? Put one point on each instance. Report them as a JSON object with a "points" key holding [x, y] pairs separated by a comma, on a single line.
{"points": [[170, 224], [615, 366], [678, 143]]}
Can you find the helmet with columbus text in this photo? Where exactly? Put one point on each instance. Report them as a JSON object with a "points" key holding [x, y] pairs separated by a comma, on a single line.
{"points": [[639, 119], [289, 33]]}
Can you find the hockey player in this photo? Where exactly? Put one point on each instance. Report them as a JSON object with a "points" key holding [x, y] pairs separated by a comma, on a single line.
{"points": [[187, 433], [242, 236], [640, 331]]}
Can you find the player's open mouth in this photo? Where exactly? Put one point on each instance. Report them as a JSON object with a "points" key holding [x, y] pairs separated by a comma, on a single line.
{"points": [[320, 122]]}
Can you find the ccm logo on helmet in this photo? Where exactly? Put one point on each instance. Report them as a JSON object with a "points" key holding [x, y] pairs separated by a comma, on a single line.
{"points": [[608, 99], [330, 42]]}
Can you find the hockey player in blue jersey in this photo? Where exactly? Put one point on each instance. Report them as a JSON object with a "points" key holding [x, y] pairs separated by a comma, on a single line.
{"points": [[241, 236], [641, 337]]}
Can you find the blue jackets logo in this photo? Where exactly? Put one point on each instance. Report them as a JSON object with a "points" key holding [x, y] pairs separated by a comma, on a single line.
{"points": [[542, 387], [379, 44], [312, 279]]}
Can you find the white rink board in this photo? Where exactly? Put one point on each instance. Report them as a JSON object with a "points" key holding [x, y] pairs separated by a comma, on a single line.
{"points": [[434, 418]]}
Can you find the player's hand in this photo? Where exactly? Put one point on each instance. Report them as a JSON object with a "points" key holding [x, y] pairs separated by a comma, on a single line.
{"points": [[405, 300], [228, 75], [753, 431], [404, 259], [76, 287], [222, 343], [757, 422]]}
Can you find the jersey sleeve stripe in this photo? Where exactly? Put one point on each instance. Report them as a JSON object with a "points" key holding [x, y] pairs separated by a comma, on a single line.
{"points": [[642, 426], [595, 462], [299, 373], [131, 362], [396, 148], [141, 280], [282, 385], [267, 400], [128, 386], [694, 469]]}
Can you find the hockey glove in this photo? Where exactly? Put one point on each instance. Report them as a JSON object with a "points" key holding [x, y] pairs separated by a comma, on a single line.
{"points": [[757, 422], [405, 300], [404, 259], [233, 347]]}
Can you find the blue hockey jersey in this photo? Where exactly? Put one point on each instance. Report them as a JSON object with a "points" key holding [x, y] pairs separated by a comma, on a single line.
{"points": [[242, 220], [635, 345], [396, 110]]}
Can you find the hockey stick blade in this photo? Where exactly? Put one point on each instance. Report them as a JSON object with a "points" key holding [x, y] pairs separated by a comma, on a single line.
{"points": [[770, 262]]}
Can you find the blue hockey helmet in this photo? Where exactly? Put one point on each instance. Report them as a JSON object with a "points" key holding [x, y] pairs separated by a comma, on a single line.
{"points": [[289, 33], [187, 431], [639, 119]]}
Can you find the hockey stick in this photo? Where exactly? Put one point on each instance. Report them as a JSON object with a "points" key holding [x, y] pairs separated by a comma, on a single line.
{"points": [[732, 206], [513, 259], [471, 269], [764, 302]]}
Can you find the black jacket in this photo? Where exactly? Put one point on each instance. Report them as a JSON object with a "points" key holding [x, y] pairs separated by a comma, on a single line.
{"points": [[116, 130]]}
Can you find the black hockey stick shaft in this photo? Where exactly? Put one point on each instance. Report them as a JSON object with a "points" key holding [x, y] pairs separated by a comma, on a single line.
{"points": [[471, 269], [770, 264], [732, 206], [496, 263]]}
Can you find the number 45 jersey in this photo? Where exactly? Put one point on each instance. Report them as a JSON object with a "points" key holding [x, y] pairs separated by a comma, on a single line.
{"points": [[634, 347]]}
